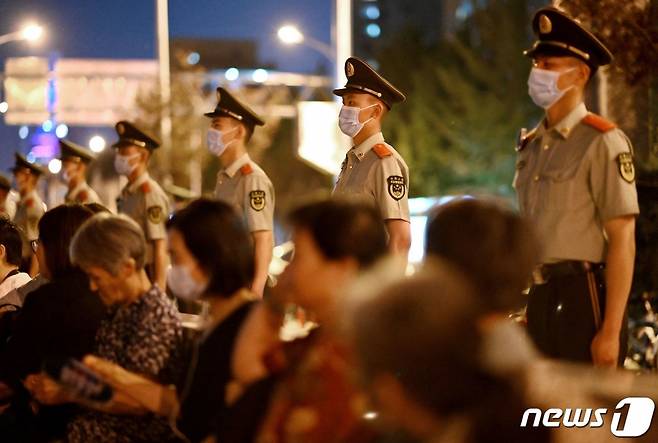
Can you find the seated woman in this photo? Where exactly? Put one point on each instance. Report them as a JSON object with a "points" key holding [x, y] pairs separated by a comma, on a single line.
{"points": [[212, 260], [58, 320], [142, 332]]}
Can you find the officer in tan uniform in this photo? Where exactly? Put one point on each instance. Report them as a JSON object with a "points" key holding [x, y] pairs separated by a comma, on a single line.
{"points": [[142, 198], [575, 182], [241, 182], [75, 160], [30, 208], [372, 169]]}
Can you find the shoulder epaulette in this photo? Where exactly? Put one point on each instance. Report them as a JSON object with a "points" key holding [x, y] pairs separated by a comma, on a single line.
{"points": [[246, 169], [82, 197], [29, 203], [146, 187], [524, 138], [381, 150], [599, 123]]}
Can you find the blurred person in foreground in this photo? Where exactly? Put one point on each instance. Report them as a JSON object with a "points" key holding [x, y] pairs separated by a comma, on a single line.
{"points": [[10, 258], [315, 399], [420, 362], [58, 320], [496, 250], [142, 332], [7, 198], [575, 182]]}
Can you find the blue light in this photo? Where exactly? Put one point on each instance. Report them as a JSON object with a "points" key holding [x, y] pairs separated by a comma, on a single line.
{"points": [[373, 30], [372, 12], [23, 132], [232, 74], [193, 58], [30, 157], [61, 131], [47, 126]]}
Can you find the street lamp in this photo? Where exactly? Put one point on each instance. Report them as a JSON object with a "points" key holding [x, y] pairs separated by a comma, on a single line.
{"points": [[31, 33], [291, 35]]}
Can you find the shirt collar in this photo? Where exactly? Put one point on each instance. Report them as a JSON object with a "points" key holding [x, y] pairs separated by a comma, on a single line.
{"points": [[78, 188], [361, 150], [30, 195], [236, 165], [139, 182], [566, 125]]}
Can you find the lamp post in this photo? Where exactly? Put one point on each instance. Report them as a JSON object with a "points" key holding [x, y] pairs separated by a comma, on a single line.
{"points": [[31, 33]]}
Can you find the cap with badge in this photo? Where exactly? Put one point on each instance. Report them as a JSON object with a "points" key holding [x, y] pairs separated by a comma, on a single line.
{"points": [[129, 134], [361, 77], [22, 162], [230, 106], [74, 152], [560, 35]]}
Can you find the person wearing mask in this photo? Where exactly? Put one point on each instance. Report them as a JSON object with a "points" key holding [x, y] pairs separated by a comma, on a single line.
{"points": [[241, 182], [373, 171], [75, 161], [575, 183], [29, 209], [142, 198]]}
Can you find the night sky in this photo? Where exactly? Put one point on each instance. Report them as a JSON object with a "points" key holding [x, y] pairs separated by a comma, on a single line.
{"points": [[126, 29]]}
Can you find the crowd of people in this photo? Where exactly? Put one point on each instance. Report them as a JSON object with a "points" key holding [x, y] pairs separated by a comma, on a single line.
{"points": [[160, 325]]}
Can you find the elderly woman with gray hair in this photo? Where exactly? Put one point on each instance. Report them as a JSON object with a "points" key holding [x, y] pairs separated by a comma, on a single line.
{"points": [[142, 334]]}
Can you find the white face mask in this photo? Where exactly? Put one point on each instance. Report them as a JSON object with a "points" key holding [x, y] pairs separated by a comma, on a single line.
{"points": [[215, 139], [182, 284], [65, 176], [348, 120], [122, 164], [543, 89]]}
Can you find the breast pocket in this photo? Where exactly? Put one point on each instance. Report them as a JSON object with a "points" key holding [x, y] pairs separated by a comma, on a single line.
{"points": [[563, 186]]}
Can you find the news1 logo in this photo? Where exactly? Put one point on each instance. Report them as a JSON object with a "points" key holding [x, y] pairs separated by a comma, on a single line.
{"points": [[631, 417]]}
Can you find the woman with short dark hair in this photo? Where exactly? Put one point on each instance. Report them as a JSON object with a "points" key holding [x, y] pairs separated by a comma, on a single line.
{"points": [[59, 320]]}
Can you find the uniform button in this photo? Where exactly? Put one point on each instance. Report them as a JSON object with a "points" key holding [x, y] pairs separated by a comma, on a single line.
{"points": [[546, 147], [350, 166], [536, 178]]}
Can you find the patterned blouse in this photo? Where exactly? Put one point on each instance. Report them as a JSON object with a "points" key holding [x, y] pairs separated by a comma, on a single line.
{"points": [[143, 337]]}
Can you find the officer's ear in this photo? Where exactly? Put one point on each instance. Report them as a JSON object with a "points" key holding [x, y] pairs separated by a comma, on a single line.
{"points": [[3, 253], [584, 73], [146, 154]]}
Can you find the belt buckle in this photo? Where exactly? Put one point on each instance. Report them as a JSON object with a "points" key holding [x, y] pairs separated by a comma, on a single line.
{"points": [[538, 276]]}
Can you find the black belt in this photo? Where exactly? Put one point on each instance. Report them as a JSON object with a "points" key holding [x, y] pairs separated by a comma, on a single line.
{"points": [[544, 273]]}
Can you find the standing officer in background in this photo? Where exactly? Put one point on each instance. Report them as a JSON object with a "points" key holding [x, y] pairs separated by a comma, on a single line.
{"points": [[372, 169], [142, 198], [75, 160], [241, 182], [575, 183], [29, 209], [7, 201]]}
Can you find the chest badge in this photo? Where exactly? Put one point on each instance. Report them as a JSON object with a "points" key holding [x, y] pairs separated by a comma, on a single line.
{"points": [[257, 200], [626, 167], [396, 187]]}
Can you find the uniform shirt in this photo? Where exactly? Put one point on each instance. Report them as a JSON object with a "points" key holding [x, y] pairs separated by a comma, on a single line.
{"points": [[246, 186], [374, 172], [82, 194], [146, 203], [29, 211], [570, 180]]}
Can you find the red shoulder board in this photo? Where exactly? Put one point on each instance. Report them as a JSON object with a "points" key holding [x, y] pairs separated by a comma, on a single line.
{"points": [[146, 188], [599, 123], [246, 169], [82, 196], [29, 203], [381, 150]]}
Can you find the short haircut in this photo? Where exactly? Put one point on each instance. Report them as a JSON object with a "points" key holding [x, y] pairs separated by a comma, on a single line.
{"points": [[343, 229], [10, 238], [218, 239], [494, 246], [97, 208], [107, 241], [57, 228]]}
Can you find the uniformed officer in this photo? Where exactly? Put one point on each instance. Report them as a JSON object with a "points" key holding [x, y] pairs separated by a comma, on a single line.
{"points": [[372, 169], [75, 160], [7, 200], [241, 182], [575, 183], [142, 198], [29, 209]]}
